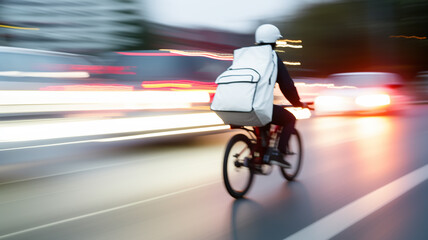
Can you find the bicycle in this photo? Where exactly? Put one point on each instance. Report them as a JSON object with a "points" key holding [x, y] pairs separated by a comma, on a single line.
{"points": [[246, 156]]}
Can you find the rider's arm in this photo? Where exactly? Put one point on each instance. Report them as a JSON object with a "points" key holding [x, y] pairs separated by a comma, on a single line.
{"points": [[286, 85]]}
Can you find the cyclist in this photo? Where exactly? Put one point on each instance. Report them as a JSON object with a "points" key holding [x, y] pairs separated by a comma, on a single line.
{"points": [[268, 34]]}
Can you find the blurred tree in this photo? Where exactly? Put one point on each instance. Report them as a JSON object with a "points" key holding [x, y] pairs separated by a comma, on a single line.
{"points": [[333, 35], [358, 35], [140, 37], [411, 35]]}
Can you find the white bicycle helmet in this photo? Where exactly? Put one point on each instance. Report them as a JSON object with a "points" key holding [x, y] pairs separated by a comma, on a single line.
{"points": [[267, 33]]}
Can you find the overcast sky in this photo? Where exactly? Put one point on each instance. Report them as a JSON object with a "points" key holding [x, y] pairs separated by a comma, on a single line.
{"points": [[231, 15]]}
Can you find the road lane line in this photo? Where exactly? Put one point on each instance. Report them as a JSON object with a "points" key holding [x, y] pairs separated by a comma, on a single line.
{"points": [[106, 210], [336, 222], [64, 173]]}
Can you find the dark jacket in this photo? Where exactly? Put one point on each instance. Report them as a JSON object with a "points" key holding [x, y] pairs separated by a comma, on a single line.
{"points": [[286, 84]]}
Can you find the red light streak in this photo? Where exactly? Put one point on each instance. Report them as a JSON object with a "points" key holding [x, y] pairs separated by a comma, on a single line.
{"points": [[92, 69], [89, 87], [100, 69]]}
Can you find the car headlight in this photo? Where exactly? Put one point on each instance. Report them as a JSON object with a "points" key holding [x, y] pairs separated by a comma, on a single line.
{"points": [[375, 100], [332, 104]]}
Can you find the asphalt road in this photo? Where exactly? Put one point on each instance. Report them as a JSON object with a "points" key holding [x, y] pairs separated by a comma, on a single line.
{"points": [[362, 178]]}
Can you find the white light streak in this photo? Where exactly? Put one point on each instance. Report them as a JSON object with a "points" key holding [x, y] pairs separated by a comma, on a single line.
{"points": [[292, 63], [167, 133], [300, 113], [284, 43], [139, 136], [289, 45], [79, 128], [76, 74], [375, 100], [49, 101]]}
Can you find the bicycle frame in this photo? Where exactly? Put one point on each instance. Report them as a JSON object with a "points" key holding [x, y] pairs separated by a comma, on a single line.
{"points": [[262, 138]]}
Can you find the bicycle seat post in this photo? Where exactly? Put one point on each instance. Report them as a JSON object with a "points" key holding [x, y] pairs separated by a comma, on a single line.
{"points": [[261, 144]]}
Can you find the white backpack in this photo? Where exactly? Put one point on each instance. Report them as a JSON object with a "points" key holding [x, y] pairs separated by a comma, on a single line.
{"points": [[244, 94]]}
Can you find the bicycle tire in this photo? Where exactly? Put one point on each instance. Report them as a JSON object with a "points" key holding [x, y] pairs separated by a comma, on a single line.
{"points": [[238, 153], [294, 156]]}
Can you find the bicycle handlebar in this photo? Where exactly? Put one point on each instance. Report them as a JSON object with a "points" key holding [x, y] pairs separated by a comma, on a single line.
{"points": [[307, 106]]}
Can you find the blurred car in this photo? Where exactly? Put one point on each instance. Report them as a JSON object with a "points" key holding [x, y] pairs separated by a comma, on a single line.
{"points": [[361, 93], [31, 69]]}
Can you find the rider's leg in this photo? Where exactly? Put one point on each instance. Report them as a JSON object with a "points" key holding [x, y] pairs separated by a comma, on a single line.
{"points": [[287, 120], [264, 131]]}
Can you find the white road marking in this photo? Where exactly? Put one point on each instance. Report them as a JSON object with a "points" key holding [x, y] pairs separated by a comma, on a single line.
{"points": [[64, 173], [338, 221], [107, 210]]}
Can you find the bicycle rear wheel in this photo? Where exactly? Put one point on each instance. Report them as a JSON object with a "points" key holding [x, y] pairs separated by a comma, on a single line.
{"points": [[237, 174], [294, 156]]}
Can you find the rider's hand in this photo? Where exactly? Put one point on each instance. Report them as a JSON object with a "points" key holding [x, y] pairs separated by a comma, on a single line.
{"points": [[302, 105]]}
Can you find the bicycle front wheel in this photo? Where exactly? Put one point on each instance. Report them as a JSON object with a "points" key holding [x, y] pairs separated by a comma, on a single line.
{"points": [[237, 174], [294, 156]]}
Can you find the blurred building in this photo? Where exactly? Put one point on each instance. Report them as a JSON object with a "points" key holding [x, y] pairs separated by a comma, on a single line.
{"points": [[159, 36], [79, 26]]}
